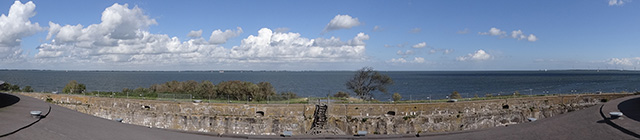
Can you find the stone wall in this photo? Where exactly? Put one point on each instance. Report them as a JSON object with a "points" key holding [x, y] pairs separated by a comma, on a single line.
{"points": [[273, 119]]}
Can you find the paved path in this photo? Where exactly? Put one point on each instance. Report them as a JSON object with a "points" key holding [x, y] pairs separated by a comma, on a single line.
{"points": [[585, 124], [63, 123]]}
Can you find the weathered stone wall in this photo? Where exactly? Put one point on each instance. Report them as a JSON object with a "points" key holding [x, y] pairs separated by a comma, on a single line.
{"points": [[272, 119]]}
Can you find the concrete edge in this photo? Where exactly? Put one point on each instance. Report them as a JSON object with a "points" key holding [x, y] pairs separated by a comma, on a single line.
{"points": [[612, 106]]}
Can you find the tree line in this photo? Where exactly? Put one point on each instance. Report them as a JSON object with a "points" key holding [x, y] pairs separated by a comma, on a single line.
{"points": [[5, 86], [233, 90]]}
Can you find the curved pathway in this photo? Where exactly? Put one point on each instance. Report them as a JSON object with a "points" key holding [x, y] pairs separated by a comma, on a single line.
{"points": [[65, 124], [62, 123]]}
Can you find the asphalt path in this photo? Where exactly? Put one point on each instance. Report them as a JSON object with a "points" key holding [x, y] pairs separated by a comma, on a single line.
{"points": [[63, 123], [585, 124]]}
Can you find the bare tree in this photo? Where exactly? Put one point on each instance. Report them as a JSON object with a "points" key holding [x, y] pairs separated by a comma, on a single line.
{"points": [[367, 80]]}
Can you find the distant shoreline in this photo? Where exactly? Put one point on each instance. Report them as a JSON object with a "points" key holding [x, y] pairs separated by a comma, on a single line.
{"points": [[541, 70]]}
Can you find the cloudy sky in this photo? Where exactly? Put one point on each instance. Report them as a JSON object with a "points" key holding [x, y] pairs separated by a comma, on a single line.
{"points": [[320, 35]]}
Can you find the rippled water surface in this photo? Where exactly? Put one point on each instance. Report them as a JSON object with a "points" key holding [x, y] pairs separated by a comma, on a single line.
{"points": [[412, 85]]}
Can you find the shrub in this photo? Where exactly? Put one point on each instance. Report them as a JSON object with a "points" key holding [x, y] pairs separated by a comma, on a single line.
{"points": [[341, 94], [74, 87], [27, 89], [396, 97], [455, 95]]}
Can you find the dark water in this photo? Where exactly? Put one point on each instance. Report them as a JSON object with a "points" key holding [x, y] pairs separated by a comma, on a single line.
{"points": [[412, 85]]}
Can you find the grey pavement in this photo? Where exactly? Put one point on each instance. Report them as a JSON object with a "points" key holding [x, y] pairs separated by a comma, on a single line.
{"points": [[63, 123]]}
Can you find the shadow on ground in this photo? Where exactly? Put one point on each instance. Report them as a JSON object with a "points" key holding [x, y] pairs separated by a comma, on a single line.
{"points": [[8, 100], [631, 108]]}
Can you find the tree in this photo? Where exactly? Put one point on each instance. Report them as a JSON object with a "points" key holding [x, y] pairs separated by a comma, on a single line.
{"points": [[366, 81], [396, 97], [455, 95], [74, 87], [4, 86]]}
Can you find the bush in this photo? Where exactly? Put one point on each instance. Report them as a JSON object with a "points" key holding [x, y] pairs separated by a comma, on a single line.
{"points": [[27, 89], [396, 97], [341, 94], [74, 87], [455, 95], [9, 87]]}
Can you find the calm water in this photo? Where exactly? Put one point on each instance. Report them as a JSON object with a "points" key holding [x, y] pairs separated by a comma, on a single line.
{"points": [[414, 85]]}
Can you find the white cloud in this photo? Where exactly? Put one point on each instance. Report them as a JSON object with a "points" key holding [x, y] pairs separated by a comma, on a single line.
{"points": [[195, 34], [444, 51], [634, 61], [95, 45], [359, 39], [420, 45], [532, 38], [13, 27], [402, 60], [377, 28], [617, 2], [479, 55], [416, 30], [516, 34], [407, 52], [341, 22], [398, 60], [219, 37], [418, 60], [447, 51], [494, 32]]}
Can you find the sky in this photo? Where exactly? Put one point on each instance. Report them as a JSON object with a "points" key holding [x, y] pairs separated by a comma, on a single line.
{"points": [[400, 35]]}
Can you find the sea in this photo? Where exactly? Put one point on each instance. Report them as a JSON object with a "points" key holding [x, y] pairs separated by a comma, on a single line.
{"points": [[412, 85]]}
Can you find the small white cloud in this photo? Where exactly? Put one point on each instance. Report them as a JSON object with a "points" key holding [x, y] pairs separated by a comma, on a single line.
{"points": [[618, 2], [447, 51], [377, 28], [532, 38], [420, 45], [399, 60], [516, 34], [407, 52], [494, 32], [634, 61], [479, 55], [341, 22], [465, 31], [219, 37], [416, 30], [402, 60], [195, 34], [418, 60]]}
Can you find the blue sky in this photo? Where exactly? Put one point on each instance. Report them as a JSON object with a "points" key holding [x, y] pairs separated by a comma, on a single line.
{"points": [[320, 35]]}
